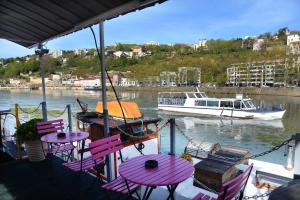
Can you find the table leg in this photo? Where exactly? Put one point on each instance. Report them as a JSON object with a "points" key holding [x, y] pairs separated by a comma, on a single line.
{"points": [[81, 154], [148, 193], [171, 189], [128, 188]]}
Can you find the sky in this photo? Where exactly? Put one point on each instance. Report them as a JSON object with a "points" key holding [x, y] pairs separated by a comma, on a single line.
{"points": [[182, 21]]}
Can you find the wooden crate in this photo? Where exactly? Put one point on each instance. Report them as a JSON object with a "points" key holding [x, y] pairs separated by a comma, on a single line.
{"points": [[213, 173]]}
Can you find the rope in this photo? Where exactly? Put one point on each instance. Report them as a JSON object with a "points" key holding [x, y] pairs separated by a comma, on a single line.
{"points": [[36, 109], [98, 53], [257, 196], [286, 142], [59, 115]]}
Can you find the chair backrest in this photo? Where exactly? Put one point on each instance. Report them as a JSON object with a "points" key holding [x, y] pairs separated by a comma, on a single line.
{"points": [[231, 188], [52, 126], [105, 146]]}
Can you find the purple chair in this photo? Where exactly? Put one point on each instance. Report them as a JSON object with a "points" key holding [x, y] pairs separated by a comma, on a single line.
{"points": [[54, 126], [231, 188], [99, 149]]}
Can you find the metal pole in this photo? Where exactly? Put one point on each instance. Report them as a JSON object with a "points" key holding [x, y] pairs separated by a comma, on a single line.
{"points": [[1, 144], [69, 117], [297, 156], [42, 70], [172, 136], [104, 100]]}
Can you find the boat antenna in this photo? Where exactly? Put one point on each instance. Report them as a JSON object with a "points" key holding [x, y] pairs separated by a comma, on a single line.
{"points": [[98, 53]]}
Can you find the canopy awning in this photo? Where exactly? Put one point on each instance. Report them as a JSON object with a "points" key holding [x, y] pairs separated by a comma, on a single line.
{"points": [[29, 22]]}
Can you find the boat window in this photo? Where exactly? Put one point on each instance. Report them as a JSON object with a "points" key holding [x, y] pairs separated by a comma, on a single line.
{"points": [[227, 104], [247, 104], [237, 104], [251, 104], [191, 95], [243, 105], [200, 103], [198, 95], [213, 103], [203, 94]]}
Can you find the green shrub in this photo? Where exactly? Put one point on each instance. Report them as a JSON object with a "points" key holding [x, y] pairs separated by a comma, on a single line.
{"points": [[28, 131]]}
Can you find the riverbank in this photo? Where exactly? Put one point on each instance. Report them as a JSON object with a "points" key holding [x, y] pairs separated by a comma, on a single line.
{"points": [[282, 91], [295, 92]]}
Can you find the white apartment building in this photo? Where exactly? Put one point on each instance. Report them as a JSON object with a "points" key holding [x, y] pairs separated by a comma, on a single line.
{"points": [[55, 77], [80, 52], [200, 44], [88, 82], [265, 73], [258, 44], [127, 54], [294, 48], [168, 78], [57, 53], [292, 38], [127, 82], [152, 43]]}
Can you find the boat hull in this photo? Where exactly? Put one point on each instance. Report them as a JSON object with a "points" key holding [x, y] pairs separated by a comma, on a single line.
{"points": [[246, 114]]}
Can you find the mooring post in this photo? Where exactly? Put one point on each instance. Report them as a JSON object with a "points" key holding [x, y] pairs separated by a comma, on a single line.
{"points": [[44, 110], [69, 117], [172, 136], [17, 126], [296, 137]]}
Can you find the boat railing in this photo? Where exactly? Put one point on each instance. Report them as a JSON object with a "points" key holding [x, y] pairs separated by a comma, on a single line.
{"points": [[172, 100]]}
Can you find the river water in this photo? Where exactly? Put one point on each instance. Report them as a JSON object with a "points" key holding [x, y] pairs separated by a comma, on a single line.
{"points": [[256, 135]]}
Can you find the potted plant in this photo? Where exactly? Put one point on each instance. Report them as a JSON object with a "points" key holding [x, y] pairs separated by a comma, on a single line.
{"points": [[27, 133], [187, 157]]}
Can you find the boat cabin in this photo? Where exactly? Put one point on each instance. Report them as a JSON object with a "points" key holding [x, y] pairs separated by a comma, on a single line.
{"points": [[200, 99]]}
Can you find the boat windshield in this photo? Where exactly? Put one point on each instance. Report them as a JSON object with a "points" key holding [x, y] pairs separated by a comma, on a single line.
{"points": [[203, 94], [198, 95], [248, 104], [191, 95]]}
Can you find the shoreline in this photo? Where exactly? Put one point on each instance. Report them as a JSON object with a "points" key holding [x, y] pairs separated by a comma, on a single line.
{"points": [[282, 91]]}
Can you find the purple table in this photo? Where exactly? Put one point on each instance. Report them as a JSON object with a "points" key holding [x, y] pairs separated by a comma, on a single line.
{"points": [[170, 172], [73, 136], [70, 137]]}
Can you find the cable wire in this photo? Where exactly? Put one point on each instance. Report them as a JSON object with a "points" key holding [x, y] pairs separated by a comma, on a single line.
{"points": [[114, 90]]}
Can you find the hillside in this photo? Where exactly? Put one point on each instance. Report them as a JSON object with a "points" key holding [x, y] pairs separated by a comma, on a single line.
{"points": [[213, 59]]}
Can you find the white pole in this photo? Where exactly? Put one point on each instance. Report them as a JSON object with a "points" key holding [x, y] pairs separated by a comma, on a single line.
{"points": [[42, 70]]}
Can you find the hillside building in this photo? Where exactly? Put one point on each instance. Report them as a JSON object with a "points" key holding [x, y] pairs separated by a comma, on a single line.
{"points": [[292, 38], [57, 53], [189, 76], [168, 78], [80, 52], [259, 44], [263, 74], [202, 44]]}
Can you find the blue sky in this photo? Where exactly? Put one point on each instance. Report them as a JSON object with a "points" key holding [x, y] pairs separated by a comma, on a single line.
{"points": [[182, 21]]}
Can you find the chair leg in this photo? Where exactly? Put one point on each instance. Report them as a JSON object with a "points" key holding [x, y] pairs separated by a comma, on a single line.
{"points": [[69, 155], [137, 194]]}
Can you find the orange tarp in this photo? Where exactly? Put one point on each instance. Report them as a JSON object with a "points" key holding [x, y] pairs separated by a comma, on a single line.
{"points": [[131, 110]]}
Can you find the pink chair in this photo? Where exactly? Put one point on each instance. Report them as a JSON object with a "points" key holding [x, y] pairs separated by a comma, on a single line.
{"points": [[99, 149], [55, 126], [230, 189]]}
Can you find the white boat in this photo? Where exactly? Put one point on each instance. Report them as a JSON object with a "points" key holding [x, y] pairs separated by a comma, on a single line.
{"points": [[199, 103]]}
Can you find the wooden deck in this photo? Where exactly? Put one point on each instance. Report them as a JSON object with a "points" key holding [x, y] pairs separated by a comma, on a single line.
{"points": [[22, 180]]}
